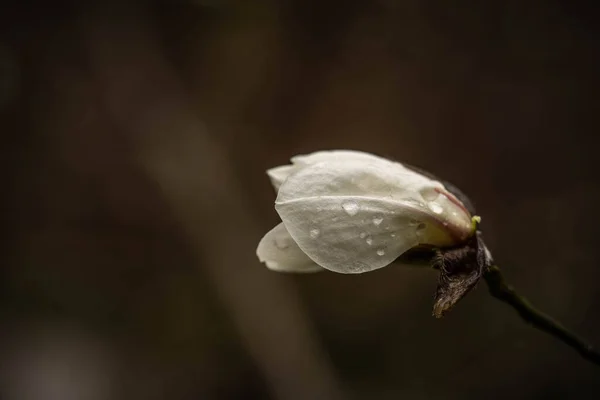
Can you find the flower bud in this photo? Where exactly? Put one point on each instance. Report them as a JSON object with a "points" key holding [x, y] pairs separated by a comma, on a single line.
{"points": [[352, 212]]}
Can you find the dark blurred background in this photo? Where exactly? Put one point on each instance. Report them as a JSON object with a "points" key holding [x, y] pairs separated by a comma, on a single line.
{"points": [[135, 136]]}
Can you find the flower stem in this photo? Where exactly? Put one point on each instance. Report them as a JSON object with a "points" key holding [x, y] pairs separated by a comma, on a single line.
{"points": [[502, 291]]}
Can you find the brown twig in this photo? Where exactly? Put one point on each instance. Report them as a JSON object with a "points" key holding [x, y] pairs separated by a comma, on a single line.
{"points": [[505, 293]]}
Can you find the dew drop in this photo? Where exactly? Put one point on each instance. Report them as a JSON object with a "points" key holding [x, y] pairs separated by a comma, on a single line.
{"points": [[282, 243], [377, 221], [369, 241], [363, 235], [436, 208], [380, 252], [314, 233], [350, 207], [430, 194], [393, 235], [420, 228]]}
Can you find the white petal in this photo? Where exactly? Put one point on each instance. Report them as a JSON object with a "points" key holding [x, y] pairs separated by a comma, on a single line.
{"points": [[280, 252], [335, 155], [355, 216], [278, 175], [373, 178], [352, 234]]}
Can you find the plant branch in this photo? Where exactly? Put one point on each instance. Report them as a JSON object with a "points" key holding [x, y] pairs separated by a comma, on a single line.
{"points": [[502, 291]]}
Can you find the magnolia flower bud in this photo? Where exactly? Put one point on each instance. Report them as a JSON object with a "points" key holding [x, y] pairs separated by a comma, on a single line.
{"points": [[352, 212]]}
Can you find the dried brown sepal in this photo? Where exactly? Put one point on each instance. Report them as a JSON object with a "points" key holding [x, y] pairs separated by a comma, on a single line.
{"points": [[460, 270]]}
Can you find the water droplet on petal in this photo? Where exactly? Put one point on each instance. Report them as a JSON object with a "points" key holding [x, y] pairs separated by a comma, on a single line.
{"points": [[369, 241], [420, 228], [436, 208], [380, 252], [377, 221], [363, 235], [350, 207], [314, 233], [430, 194], [281, 243]]}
